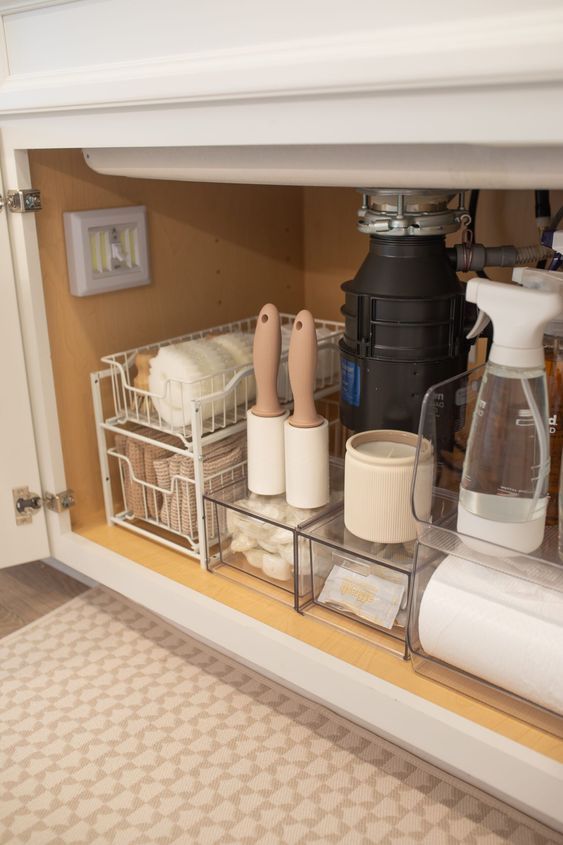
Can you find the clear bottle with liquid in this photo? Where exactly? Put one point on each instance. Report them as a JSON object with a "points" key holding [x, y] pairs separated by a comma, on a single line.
{"points": [[506, 470], [504, 487]]}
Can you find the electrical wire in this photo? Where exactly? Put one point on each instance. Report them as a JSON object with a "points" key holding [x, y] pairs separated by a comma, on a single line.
{"points": [[553, 225], [473, 202], [543, 212], [542, 205]]}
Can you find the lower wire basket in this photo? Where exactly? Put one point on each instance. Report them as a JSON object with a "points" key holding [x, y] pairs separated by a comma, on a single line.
{"points": [[156, 482]]}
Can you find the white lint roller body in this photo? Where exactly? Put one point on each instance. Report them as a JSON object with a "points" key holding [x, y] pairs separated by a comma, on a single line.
{"points": [[265, 421]]}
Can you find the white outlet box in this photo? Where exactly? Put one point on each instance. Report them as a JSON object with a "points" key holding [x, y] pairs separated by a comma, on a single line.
{"points": [[106, 249]]}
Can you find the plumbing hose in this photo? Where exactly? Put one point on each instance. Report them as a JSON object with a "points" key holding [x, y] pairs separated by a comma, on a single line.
{"points": [[526, 255], [477, 256]]}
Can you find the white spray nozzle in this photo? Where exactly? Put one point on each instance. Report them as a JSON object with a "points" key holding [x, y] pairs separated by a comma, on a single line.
{"points": [[519, 316], [530, 277]]}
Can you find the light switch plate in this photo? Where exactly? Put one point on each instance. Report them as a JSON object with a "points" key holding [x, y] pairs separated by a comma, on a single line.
{"points": [[106, 249]]}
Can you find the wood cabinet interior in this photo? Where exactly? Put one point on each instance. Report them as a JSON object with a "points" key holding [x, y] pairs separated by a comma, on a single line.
{"points": [[218, 252]]}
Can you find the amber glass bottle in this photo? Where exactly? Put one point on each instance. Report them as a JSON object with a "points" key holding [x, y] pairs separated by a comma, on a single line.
{"points": [[553, 341]]}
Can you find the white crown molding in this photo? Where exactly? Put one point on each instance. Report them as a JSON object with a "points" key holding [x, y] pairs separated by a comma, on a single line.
{"points": [[523, 48]]}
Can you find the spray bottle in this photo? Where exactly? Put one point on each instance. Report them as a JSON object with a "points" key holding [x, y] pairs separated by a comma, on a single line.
{"points": [[504, 486]]}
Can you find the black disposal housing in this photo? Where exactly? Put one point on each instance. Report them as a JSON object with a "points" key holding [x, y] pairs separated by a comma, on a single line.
{"points": [[404, 331]]}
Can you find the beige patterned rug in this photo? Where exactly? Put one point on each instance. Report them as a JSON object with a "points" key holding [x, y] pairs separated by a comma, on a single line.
{"points": [[114, 728]]}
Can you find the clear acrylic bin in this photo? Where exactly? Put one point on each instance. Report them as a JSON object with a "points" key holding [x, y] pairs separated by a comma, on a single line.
{"points": [[485, 620], [445, 421], [348, 575], [258, 542]]}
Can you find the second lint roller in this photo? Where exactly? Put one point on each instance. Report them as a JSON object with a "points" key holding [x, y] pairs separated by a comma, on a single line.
{"points": [[305, 432]]}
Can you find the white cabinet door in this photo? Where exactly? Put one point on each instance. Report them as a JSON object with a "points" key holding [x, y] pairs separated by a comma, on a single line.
{"points": [[18, 455]]}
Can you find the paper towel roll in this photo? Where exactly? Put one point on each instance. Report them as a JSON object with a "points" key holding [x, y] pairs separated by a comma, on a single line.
{"points": [[498, 627]]}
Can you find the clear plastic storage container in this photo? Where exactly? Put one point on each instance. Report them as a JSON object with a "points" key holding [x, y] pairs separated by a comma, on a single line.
{"points": [[357, 586], [485, 619], [258, 542]]}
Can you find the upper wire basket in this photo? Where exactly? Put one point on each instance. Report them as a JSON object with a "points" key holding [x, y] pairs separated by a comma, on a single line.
{"points": [[219, 399]]}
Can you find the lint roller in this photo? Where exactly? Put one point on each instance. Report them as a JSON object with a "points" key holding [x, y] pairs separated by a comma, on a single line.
{"points": [[306, 433], [266, 465]]}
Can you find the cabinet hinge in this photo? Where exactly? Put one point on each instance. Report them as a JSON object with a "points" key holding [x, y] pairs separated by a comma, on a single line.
{"points": [[27, 504], [22, 201], [59, 502]]}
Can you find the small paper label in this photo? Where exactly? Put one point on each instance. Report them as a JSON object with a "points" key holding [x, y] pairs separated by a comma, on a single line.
{"points": [[350, 382], [370, 597]]}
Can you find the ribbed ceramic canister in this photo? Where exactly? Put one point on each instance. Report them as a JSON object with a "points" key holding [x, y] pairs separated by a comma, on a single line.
{"points": [[378, 478]]}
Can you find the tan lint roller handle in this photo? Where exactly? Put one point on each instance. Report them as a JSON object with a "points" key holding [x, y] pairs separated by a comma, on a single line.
{"points": [[302, 363], [266, 352]]}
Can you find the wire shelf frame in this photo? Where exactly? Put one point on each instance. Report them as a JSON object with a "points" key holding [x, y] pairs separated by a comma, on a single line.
{"points": [[216, 401]]}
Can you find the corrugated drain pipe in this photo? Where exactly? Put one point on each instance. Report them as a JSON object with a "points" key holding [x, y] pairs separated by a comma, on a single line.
{"points": [[477, 256]]}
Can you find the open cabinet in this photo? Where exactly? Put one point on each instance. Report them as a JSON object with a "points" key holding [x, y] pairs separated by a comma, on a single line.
{"points": [[218, 252]]}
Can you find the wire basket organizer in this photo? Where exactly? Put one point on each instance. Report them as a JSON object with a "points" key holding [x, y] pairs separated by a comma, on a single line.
{"points": [[218, 400], [158, 487], [155, 471], [484, 619]]}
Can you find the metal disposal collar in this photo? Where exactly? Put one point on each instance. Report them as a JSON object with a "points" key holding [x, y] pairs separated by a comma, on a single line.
{"points": [[387, 211]]}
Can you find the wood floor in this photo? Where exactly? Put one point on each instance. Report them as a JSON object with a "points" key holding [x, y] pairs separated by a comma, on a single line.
{"points": [[31, 590]]}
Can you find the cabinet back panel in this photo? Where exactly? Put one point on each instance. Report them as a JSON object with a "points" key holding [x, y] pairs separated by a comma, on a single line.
{"points": [[217, 253]]}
